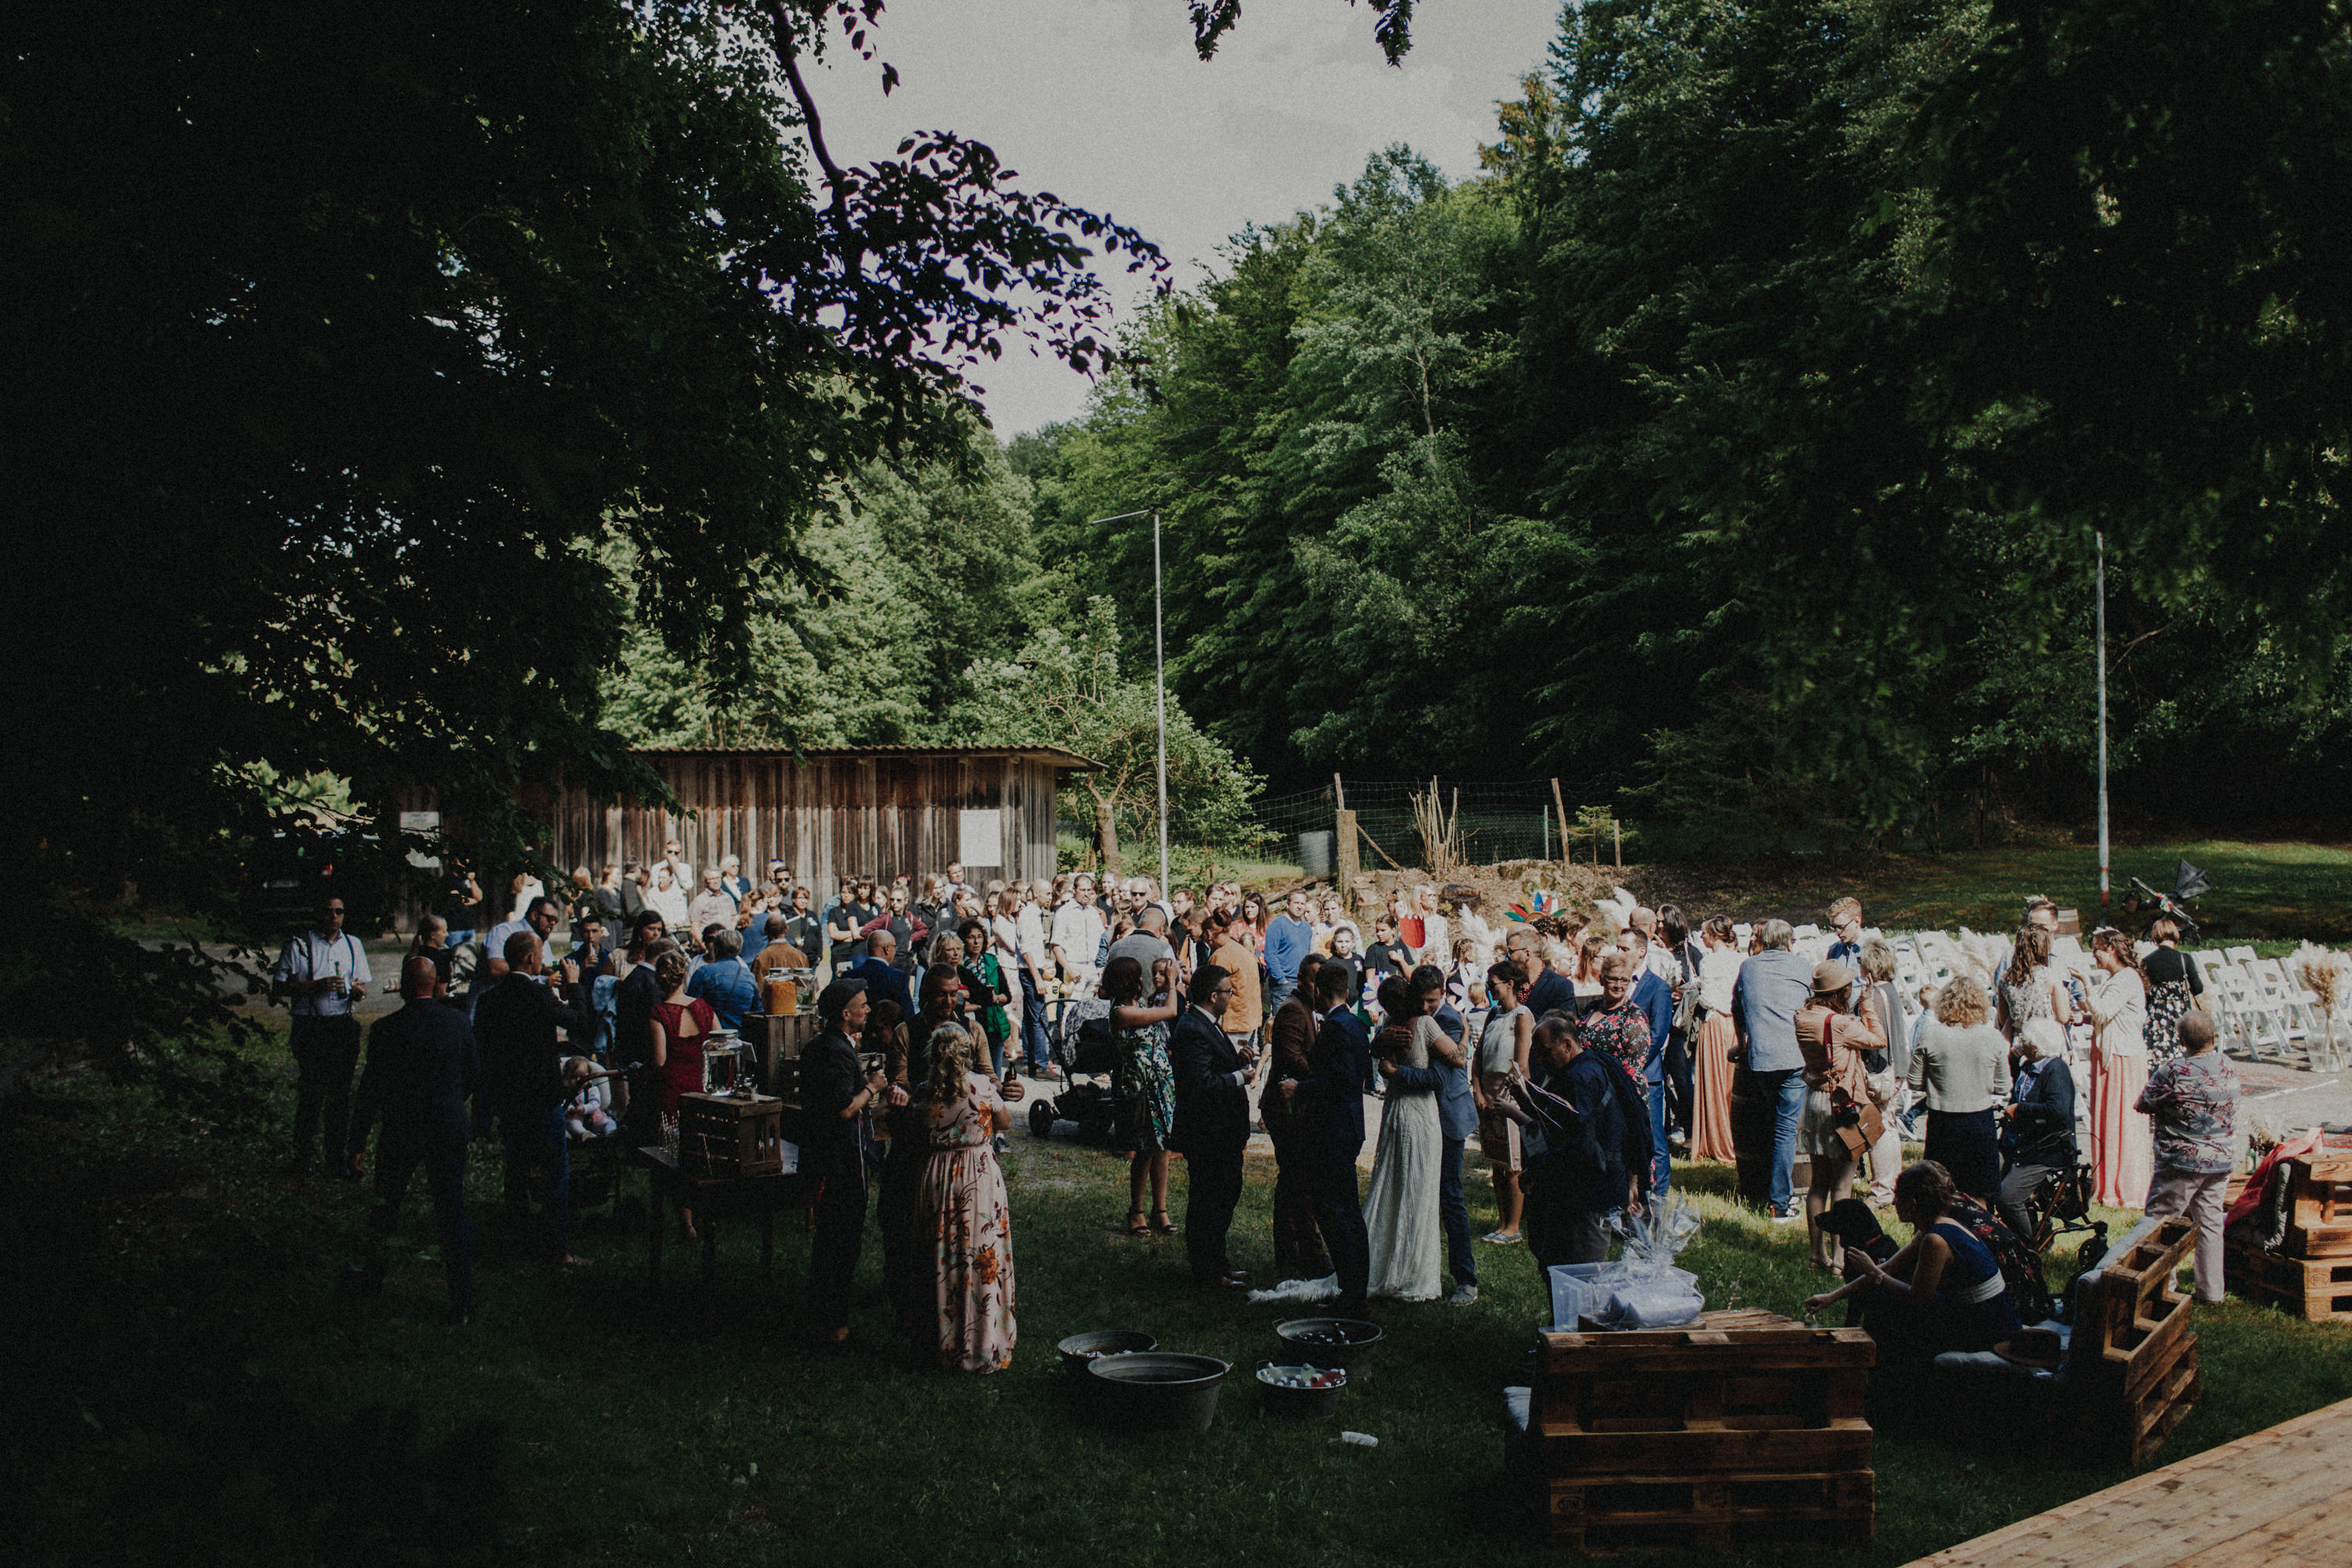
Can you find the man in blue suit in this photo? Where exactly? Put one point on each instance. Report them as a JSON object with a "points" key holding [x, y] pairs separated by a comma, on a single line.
{"points": [[1655, 998], [1457, 1118], [1330, 1107], [1213, 1119], [885, 981]]}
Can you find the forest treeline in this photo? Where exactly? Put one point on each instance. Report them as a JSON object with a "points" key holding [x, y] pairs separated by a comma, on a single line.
{"points": [[1744, 434]]}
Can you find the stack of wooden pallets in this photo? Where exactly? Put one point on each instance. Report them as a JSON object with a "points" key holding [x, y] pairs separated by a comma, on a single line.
{"points": [[2310, 1277], [1743, 1426], [2132, 1369]]}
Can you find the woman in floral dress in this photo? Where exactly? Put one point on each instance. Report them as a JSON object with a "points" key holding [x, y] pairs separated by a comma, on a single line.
{"points": [[962, 1207], [1147, 1083]]}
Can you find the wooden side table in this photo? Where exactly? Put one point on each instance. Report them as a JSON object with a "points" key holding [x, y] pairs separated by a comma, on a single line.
{"points": [[713, 1198]]}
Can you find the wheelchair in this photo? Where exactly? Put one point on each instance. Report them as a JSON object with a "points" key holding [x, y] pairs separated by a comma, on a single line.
{"points": [[2060, 1206]]}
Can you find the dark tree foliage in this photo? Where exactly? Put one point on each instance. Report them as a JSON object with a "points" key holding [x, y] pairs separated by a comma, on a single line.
{"points": [[345, 339]]}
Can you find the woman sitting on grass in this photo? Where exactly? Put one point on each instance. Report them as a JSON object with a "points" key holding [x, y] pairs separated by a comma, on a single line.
{"points": [[1944, 1291]]}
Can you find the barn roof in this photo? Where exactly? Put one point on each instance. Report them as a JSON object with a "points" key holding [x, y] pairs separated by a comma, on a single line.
{"points": [[1060, 756]]}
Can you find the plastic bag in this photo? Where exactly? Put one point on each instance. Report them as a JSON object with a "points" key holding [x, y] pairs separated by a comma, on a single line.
{"points": [[1619, 1297]]}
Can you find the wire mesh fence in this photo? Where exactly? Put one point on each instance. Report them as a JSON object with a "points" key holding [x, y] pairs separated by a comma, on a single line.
{"points": [[1489, 822]]}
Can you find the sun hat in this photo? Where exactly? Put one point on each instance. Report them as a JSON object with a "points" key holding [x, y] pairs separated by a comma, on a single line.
{"points": [[1830, 976]]}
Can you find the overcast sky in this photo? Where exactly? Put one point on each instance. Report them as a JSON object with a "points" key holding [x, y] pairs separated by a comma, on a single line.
{"points": [[1104, 103]]}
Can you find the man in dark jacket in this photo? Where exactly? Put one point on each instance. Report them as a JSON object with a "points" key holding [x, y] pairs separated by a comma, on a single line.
{"points": [[885, 981], [517, 1024], [1212, 1118], [422, 1066], [2041, 1117], [1329, 1104], [1576, 1173], [835, 1090], [1298, 1250]]}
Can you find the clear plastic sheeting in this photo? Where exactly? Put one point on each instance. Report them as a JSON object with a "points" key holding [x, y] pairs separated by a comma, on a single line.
{"points": [[1643, 1289]]}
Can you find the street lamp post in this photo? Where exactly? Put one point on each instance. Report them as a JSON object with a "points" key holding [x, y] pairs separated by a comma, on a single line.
{"points": [[1158, 676], [2100, 543]]}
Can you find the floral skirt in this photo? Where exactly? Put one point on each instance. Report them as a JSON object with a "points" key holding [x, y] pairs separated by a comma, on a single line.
{"points": [[962, 1209]]}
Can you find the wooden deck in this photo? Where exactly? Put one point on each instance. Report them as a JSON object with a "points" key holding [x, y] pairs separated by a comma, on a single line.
{"points": [[2280, 1499]]}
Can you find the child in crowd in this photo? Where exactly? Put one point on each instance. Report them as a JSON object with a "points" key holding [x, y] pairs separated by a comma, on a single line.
{"points": [[588, 1113]]}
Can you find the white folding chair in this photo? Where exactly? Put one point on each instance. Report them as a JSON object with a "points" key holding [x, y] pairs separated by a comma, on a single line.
{"points": [[2241, 956]]}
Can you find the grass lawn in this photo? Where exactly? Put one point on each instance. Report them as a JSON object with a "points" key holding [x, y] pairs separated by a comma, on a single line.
{"points": [[2270, 895], [188, 1387]]}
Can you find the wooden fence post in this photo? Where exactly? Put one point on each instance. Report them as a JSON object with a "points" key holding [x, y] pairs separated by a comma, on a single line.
{"points": [[1344, 861], [1567, 844], [1617, 831]]}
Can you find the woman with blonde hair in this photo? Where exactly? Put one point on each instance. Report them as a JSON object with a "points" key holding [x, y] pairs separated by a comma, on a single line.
{"points": [[1718, 976], [2123, 1153], [962, 1210], [1960, 1064]]}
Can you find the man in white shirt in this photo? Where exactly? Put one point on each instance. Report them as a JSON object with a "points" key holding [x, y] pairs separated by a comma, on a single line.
{"points": [[1029, 928], [1077, 933], [539, 919], [324, 972]]}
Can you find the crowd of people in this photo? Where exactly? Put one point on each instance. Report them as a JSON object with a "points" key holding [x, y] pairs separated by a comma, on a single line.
{"points": [[1580, 1051]]}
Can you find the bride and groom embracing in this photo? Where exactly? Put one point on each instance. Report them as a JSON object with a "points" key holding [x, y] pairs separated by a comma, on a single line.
{"points": [[1415, 1212]]}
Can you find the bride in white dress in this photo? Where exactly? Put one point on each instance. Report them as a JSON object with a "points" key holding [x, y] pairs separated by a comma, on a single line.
{"points": [[1401, 1213]]}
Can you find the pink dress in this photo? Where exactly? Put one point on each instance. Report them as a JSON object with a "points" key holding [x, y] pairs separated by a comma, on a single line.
{"points": [[2122, 1151]]}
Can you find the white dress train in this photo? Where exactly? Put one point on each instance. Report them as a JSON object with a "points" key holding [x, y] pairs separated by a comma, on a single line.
{"points": [[1401, 1213]]}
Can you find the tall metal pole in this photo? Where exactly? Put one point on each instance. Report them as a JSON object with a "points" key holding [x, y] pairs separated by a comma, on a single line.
{"points": [[2101, 544], [1159, 679]]}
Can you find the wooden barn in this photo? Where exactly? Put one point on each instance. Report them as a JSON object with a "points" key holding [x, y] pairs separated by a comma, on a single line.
{"points": [[829, 812]]}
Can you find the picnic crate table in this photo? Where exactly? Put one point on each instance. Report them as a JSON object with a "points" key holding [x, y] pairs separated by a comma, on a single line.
{"points": [[2134, 1361], [730, 1135], [1744, 1424]]}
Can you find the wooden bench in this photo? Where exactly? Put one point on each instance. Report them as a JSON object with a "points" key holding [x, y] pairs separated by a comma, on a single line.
{"points": [[2131, 1367], [1747, 1424]]}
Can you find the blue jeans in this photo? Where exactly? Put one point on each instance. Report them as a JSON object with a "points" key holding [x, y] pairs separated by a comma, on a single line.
{"points": [[1789, 1106], [1454, 1215], [1277, 995], [1662, 1166], [1033, 1039]]}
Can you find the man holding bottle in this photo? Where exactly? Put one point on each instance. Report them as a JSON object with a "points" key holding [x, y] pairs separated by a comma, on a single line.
{"points": [[324, 972]]}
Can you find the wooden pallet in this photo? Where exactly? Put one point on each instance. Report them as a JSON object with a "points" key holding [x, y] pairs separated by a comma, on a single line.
{"points": [[2134, 1362], [1743, 1421], [2319, 1206], [1714, 1512], [2317, 1290]]}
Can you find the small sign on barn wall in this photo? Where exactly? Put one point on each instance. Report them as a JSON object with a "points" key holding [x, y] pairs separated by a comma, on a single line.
{"points": [[427, 822], [980, 841]]}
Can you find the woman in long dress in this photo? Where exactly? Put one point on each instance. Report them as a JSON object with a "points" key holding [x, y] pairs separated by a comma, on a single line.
{"points": [[1718, 972], [1401, 1213], [2123, 1152], [2030, 987], [962, 1208], [1147, 1082]]}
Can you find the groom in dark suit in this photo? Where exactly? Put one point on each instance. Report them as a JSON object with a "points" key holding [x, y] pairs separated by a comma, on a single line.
{"points": [[1213, 1117], [1331, 1109]]}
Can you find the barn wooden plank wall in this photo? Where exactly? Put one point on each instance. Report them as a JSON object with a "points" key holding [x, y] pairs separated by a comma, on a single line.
{"points": [[828, 815]]}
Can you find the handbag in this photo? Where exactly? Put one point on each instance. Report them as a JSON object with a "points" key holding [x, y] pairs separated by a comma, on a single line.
{"points": [[1858, 1125]]}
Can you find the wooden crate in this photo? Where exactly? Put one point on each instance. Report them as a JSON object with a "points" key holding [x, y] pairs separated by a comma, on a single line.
{"points": [[778, 1039], [2135, 1366], [1745, 1421], [2319, 1206], [2317, 1288], [721, 1136]]}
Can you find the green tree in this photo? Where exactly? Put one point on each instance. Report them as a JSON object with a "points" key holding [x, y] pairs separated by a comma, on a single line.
{"points": [[1064, 689]]}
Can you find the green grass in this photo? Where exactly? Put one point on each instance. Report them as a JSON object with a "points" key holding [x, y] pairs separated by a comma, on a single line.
{"points": [[186, 1386], [2267, 895]]}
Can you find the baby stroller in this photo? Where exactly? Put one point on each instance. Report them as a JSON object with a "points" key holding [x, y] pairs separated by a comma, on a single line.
{"points": [[1088, 1055]]}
